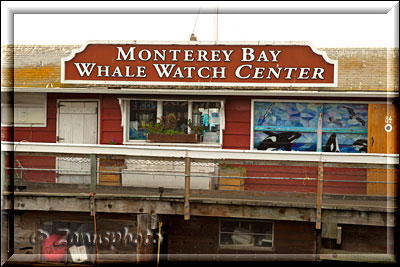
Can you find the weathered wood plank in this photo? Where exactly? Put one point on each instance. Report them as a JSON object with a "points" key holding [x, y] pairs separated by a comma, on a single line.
{"points": [[358, 217], [144, 247], [340, 255], [186, 212], [170, 206]]}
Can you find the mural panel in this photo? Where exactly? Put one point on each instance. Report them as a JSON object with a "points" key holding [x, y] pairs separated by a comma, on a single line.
{"points": [[280, 126], [345, 116], [286, 114]]}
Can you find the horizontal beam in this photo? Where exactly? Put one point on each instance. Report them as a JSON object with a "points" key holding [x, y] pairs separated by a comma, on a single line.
{"points": [[215, 91], [199, 207], [200, 153], [170, 207]]}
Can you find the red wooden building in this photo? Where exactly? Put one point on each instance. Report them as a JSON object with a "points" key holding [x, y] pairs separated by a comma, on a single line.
{"points": [[265, 124]]}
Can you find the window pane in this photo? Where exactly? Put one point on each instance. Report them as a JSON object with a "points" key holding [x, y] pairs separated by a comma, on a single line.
{"points": [[285, 141], [343, 142], [345, 116], [180, 110], [286, 114], [28, 108], [229, 226], [226, 239], [7, 114], [246, 233], [293, 127], [345, 120], [261, 228], [141, 113], [207, 114]]}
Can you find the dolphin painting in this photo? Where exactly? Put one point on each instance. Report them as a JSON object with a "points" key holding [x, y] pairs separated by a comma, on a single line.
{"points": [[275, 141]]}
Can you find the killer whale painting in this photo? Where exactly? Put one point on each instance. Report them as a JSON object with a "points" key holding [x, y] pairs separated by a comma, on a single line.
{"points": [[293, 126], [332, 145], [361, 145], [276, 141]]}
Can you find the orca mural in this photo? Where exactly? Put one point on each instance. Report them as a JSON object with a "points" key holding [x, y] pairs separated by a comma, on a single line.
{"points": [[361, 145], [332, 145], [275, 141], [281, 126]]}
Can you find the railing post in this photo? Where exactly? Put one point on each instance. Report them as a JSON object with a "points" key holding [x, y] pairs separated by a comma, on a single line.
{"points": [[186, 208], [93, 181], [3, 174], [319, 194], [93, 173]]}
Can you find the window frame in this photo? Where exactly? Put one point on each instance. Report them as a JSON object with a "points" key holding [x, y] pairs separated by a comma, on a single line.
{"points": [[125, 114], [13, 107], [239, 247], [319, 143]]}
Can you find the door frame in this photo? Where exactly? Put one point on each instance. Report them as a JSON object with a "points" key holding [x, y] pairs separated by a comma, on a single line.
{"points": [[98, 121], [80, 100]]}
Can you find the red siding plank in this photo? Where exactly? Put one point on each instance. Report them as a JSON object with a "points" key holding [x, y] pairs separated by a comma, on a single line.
{"points": [[237, 128], [236, 141], [110, 135], [112, 125], [111, 113], [237, 116]]}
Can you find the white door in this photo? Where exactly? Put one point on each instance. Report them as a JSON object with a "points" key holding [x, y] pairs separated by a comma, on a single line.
{"points": [[77, 124]]}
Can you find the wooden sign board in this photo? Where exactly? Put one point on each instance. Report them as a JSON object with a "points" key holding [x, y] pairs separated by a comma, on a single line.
{"points": [[200, 64]]}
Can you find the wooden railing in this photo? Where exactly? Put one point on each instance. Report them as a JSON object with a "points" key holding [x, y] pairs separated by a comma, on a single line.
{"points": [[188, 156]]}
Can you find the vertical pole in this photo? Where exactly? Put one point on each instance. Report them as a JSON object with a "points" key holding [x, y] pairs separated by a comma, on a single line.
{"points": [[319, 194], [216, 25], [186, 208]]}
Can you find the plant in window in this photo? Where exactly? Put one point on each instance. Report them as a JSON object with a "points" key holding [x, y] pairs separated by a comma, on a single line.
{"points": [[169, 122], [165, 132], [166, 125], [198, 129], [154, 127]]}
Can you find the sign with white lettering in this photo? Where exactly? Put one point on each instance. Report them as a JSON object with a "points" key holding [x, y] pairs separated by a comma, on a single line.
{"points": [[201, 64]]}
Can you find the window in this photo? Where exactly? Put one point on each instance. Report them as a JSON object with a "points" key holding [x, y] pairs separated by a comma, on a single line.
{"points": [[141, 113], [301, 126], [180, 110], [28, 109], [246, 234], [208, 114]]}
